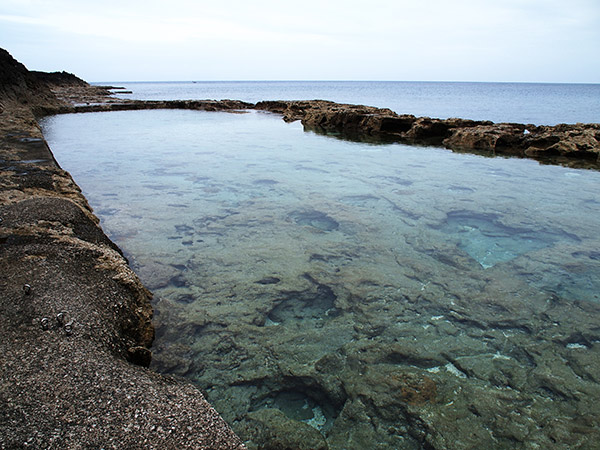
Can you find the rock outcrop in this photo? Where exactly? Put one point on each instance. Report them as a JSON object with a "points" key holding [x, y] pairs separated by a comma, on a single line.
{"points": [[574, 142], [59, 79], [75, 320], [19, 86]]}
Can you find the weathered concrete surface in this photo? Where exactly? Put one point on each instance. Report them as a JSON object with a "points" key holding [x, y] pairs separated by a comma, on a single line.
{"points": [[73, 316]]}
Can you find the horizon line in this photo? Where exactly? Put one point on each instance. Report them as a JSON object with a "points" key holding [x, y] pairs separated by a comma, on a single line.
{"points": [[346, 81]]}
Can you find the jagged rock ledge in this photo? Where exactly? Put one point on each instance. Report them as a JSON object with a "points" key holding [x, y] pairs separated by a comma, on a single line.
{"points": [[570, 142]]}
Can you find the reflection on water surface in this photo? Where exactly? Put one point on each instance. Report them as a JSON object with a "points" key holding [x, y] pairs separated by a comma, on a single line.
{"points": [[331, 293]]}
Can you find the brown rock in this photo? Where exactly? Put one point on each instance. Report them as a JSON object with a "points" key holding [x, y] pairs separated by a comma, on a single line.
{"points": [[580, 140], [576, 142], [491, 137]]}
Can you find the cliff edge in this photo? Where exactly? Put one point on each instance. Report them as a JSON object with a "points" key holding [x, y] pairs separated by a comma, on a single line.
{"points": [[75, 321]]}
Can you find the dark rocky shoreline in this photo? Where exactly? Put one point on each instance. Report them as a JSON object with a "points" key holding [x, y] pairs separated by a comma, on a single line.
{"points": [[560, 143]]}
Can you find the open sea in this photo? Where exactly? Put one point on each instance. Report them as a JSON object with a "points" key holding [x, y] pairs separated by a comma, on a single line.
{"points": [[535, 103], [333, 294]]}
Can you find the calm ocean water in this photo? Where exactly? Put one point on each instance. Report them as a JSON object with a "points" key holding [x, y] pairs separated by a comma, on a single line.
{"points": [[540, 104]]}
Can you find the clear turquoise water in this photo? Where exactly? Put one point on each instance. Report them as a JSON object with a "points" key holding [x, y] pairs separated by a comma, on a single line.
{"points": [[537, 103], [288, 267]]}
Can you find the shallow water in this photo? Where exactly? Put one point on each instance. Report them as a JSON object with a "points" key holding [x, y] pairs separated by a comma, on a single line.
{"points": [[364, 294]]}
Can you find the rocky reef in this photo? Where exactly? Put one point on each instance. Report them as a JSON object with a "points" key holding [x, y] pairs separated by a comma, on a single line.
{"points": [[75, 321], [348, 319], [565, 142]]}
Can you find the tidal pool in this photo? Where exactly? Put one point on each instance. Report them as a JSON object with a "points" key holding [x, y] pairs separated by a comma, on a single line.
{"points": [[343, 295]]}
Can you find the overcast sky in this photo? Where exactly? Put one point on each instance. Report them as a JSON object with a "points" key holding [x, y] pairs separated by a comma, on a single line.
{"points": [[426, 40]]}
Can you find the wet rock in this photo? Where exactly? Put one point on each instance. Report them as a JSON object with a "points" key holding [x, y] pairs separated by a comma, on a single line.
{"points": [[169, 360], [390, 388], [268, 280], [178, 281], [585, 362], [315, 305], [355, 426]]}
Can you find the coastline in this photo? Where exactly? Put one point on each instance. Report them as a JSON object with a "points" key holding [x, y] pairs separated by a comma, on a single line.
{"points": [[75, 321], [51, 237]]}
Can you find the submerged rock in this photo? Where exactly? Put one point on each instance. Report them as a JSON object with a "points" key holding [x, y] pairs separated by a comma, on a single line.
{"points": [[315, 219], [275, 431]]}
